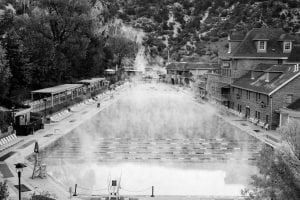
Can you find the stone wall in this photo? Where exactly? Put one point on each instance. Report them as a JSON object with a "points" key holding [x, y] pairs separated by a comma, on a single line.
{"points": [[279, 98], [253, 103], [271, 105]]}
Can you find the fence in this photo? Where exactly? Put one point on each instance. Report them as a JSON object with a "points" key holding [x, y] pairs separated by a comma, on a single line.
{"points": [[44, 106]]}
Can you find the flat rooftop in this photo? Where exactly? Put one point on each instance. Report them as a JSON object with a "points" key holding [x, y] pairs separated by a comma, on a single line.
{"points": [[92, 80], [58, 89]]}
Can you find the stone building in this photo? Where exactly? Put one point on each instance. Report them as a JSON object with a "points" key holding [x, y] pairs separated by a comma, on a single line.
{"points": [[263, 91], [290, 113], [245, 52], [191, 74]]}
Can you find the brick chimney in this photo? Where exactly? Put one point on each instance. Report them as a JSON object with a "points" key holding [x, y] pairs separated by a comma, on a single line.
{"points": [[296, 68], [252, 75], [268, 77]]}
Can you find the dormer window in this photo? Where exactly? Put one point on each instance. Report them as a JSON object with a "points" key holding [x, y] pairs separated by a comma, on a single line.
{"points": [[229, 47], [262, 46], [287, 47]]}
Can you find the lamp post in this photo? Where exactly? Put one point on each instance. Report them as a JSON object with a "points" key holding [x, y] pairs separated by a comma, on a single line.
{"points": [[19, 169]]}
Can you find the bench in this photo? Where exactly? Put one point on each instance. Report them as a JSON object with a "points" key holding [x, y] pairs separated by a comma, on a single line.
{"points": [[261, 124], [255, 121], [267, 126], [251, 120]]}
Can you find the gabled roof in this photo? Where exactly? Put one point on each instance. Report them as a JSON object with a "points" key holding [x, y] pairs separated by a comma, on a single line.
{"points": [[261, 36], [295, 54], [236, 36], [247, 48], [279, 76], [185, 66], [261, 67], [287, 37]]}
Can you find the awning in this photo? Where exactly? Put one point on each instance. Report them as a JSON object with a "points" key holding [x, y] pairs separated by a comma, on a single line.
{"points": [[91, 81], [110, 71], [58, 89], [22, 112]]}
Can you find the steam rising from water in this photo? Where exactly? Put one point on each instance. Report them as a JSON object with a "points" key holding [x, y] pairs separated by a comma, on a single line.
{"points": [[157, 136], [141, 61]]}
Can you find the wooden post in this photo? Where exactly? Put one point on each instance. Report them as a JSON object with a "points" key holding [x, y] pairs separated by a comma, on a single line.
{"points": [[152, 195], [52, 100], [75, 192]]}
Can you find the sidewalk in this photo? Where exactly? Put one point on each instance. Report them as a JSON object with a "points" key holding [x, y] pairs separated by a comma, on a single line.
{"points": [[270, 137], [45, 137]]}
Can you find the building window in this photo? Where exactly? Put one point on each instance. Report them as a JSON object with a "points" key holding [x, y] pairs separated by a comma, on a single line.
{"points": [[287, 47], [262, 46], [257, 96], [289, 98], [248, 94], [239, 108], [257, 115], [226, 65]]}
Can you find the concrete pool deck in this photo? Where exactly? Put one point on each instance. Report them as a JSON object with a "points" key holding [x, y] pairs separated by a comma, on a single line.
{"points": [[45, 137], [53, 132]]}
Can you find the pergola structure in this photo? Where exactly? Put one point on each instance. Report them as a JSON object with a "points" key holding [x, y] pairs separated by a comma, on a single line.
{"points": [[57, 92]]}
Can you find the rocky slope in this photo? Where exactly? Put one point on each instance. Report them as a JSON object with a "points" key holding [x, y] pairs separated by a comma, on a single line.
{"points": [[190, 27]]}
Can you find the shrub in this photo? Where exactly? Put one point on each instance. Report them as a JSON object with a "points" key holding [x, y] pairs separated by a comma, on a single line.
{"points": [[3, 190]]}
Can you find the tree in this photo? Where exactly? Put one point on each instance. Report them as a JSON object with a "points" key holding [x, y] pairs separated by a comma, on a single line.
{"points": [[3, 190], [55, 38], [121, 48], [4, 73], [291, 134], [96, 58], [276, 181]]}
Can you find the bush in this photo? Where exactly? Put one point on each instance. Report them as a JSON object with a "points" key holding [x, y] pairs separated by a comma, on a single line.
{"points": [[44, 196], [214, 39], [3, 190], [5, 120], [5, 102]]}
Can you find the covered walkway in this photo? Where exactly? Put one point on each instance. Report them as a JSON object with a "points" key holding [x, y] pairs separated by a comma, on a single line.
{"points": [[49, 97]]}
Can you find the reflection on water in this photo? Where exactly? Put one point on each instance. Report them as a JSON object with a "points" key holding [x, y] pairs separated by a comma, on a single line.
{"points": [[155, 136]]}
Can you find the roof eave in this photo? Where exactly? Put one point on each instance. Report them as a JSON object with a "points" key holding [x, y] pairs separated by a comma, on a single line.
{"points": [[249, 57], [249, 89], [283, 84]]}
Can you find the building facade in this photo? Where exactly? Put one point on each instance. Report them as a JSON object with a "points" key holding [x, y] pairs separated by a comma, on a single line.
{"points": [[191, 74], [262, 92], [245, 52]]}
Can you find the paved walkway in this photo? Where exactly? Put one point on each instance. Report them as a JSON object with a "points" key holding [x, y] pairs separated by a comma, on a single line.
{"points": [[51, 133], [270, 137]]}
